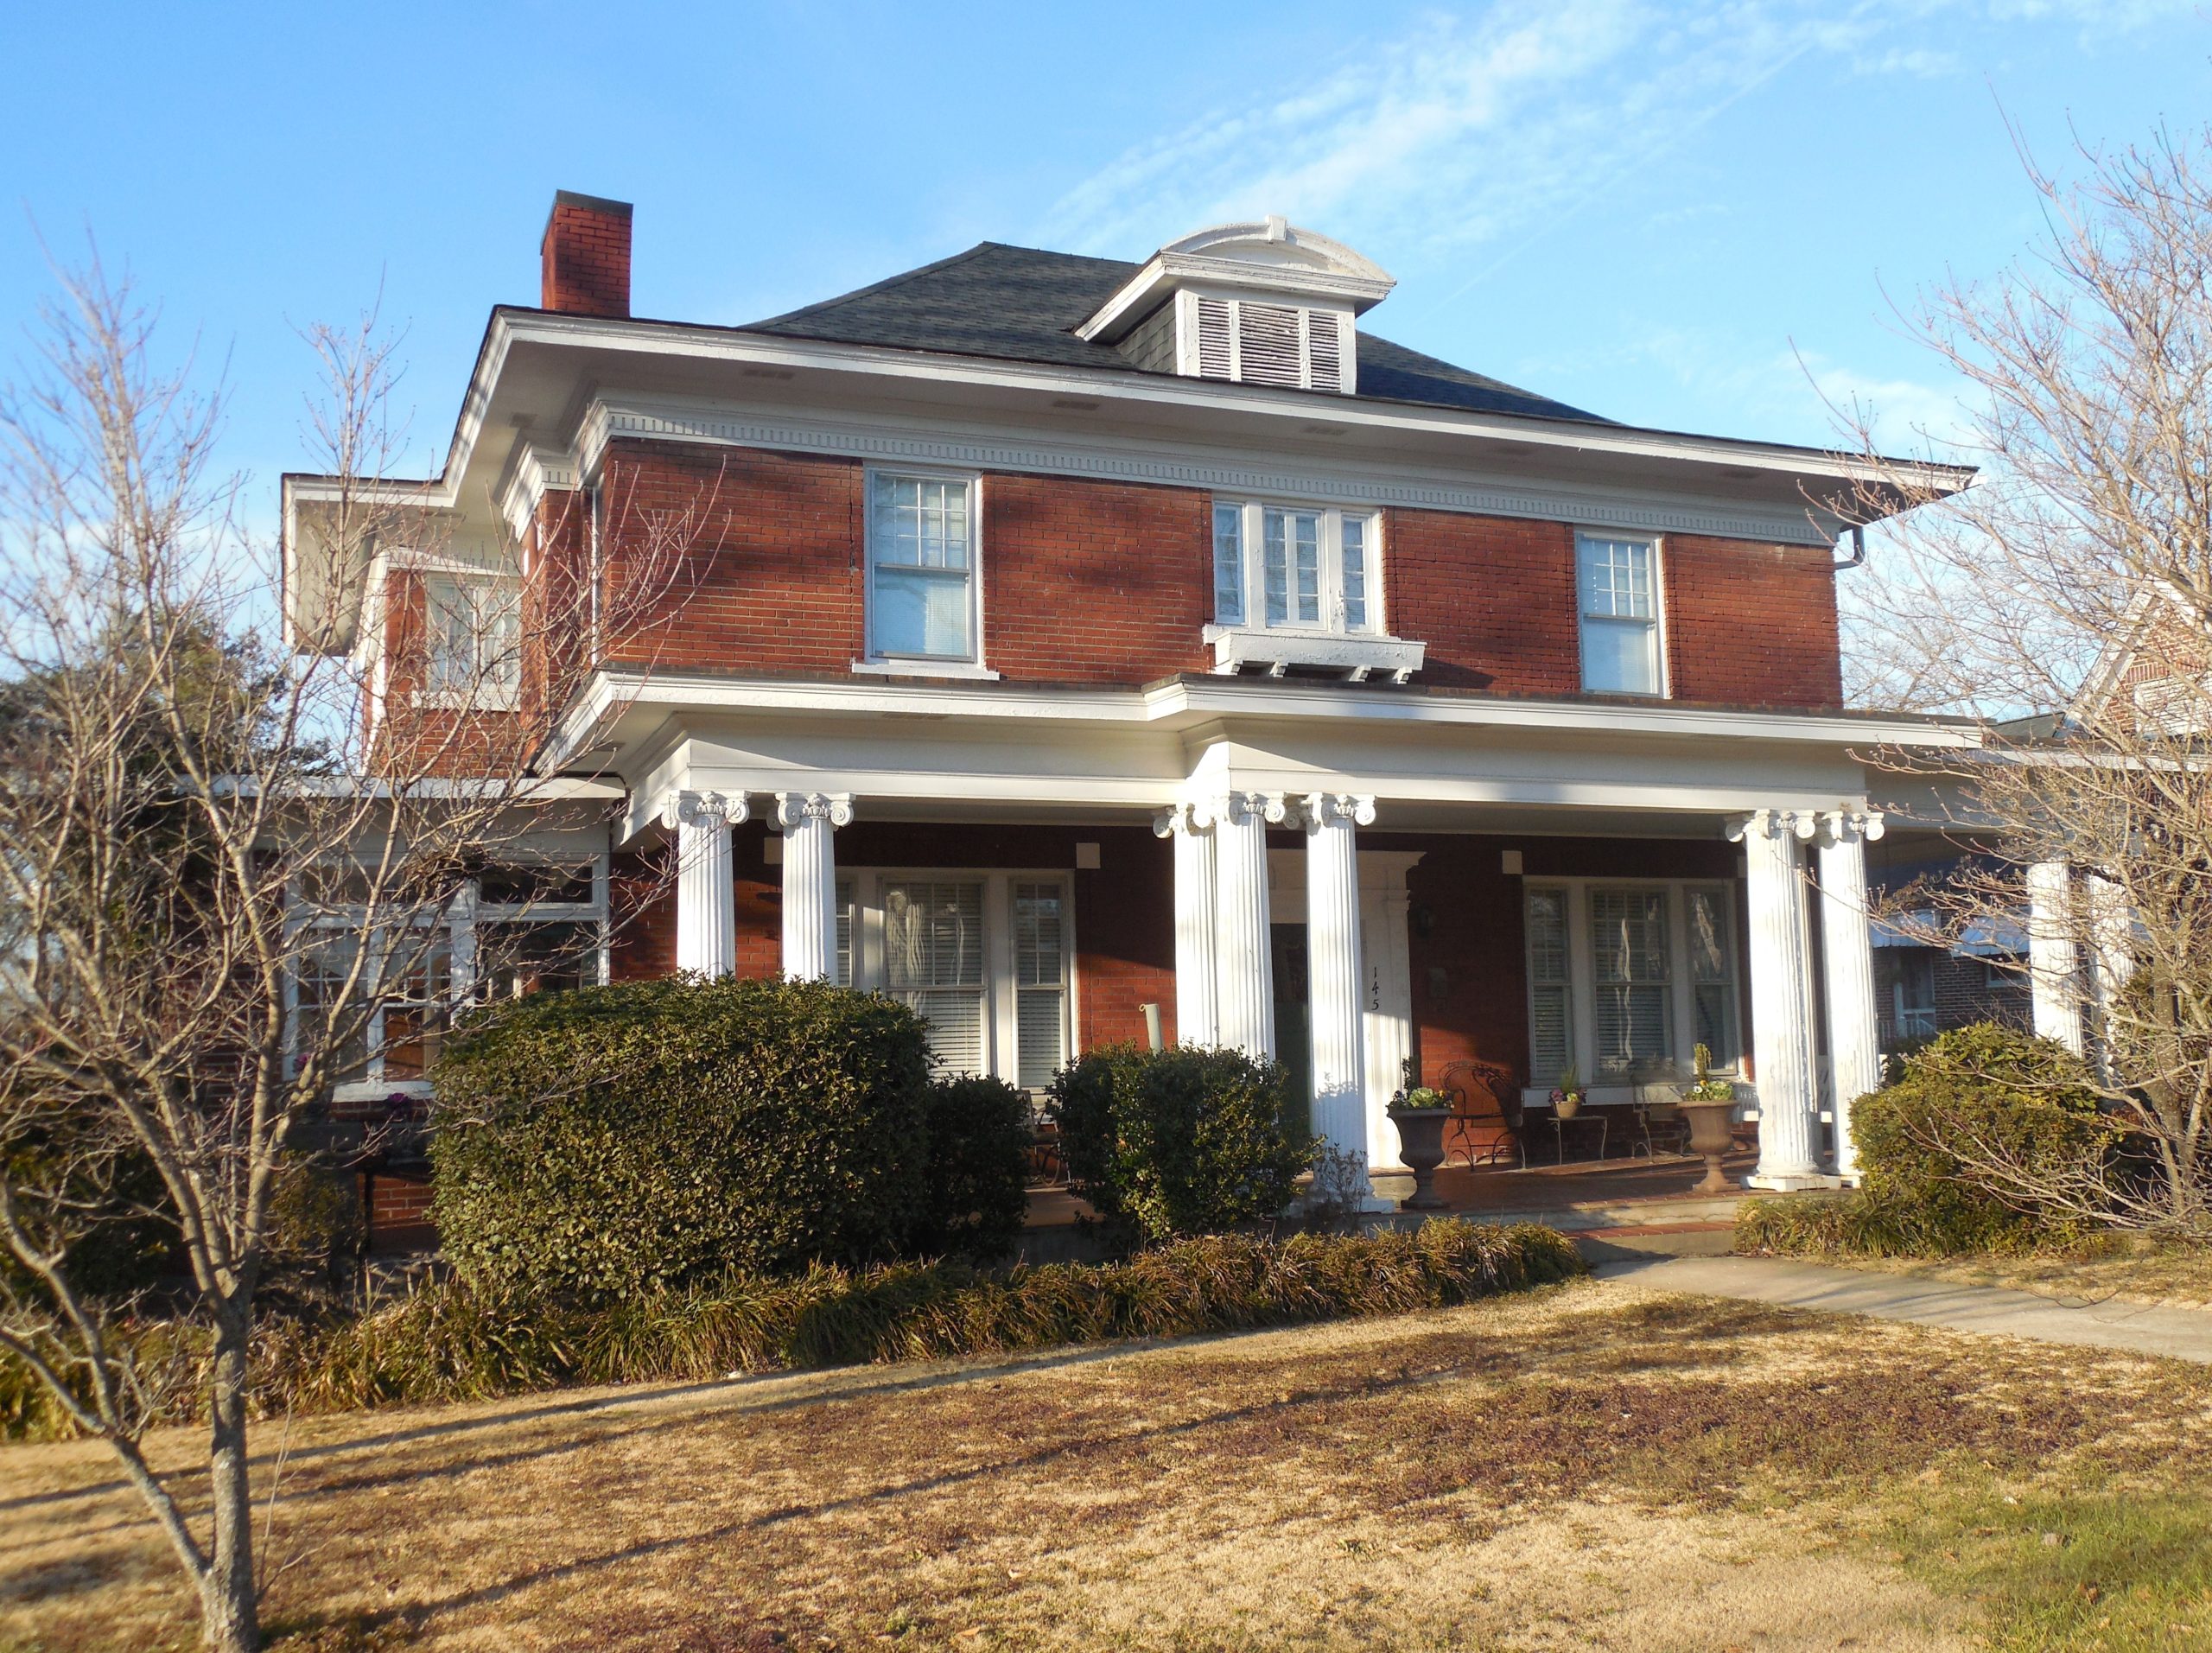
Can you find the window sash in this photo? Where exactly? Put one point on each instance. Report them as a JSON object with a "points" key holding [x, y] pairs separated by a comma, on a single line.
{"points": [[1228, 565], [921, 547], [1551, 1022], [474, 634], [1618, 600]]}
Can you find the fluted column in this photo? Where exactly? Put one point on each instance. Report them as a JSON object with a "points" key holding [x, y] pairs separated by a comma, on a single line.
{"points": [[2053, 962], [2112, 951], [1243, 963], [706, 907], [1847, 968], [807, 820], [1198, 1017], [1334, 967], [1781, 1007]]}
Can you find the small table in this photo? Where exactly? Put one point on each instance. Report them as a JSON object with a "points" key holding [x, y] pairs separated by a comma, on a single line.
{"points": [[1587, 1115]]}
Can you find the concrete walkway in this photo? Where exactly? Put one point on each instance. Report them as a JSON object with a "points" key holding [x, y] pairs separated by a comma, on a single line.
{"points": [[2179, 1333]]}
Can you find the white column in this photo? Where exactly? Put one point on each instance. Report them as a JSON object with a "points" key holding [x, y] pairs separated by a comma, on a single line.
{"points": [[2112, 950], [1243, 964], [1334, 967], [2053, 962], [1847, 968], [1782, 1008], [807, 820], [706, 903], [1198, 1019]]}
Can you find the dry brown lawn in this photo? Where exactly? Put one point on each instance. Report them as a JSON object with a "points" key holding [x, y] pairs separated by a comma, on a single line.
{"points": [[1592, 1465]]}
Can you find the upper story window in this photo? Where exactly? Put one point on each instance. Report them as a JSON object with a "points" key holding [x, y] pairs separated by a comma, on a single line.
{"points": [[1618, 580], [474, 640], [1295, 568], [922, 596]]}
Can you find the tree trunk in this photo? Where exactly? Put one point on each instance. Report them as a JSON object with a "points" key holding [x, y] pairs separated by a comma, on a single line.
{"points": [[230, 1617]]}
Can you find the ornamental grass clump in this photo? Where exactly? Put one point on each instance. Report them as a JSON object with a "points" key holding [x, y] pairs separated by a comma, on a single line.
{"points": [[455, 1339]]}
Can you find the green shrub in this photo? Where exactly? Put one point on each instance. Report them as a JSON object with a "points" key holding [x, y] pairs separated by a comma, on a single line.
{"points": [[1978, 1091], [1179, 1141], [974, 1197], [620, 1138]]}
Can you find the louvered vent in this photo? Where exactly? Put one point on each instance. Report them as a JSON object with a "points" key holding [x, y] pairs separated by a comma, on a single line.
{"points": [[1322, 350], [1266, 346], [1216, 318]]}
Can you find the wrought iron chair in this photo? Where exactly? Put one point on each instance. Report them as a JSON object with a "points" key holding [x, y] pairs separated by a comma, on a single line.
{"points": [[1486, 1118]]}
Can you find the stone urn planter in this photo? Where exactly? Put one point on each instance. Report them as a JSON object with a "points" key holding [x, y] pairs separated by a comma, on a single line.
{"points": [[1709, 1137], [1421, 1145]]}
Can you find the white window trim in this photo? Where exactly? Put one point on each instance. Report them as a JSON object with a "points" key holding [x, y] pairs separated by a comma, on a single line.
{"points": [[1582, 981], [459, 922], [1001, 1054], [485, 695], [1657, 542], [940, 665], [1252, 569]]}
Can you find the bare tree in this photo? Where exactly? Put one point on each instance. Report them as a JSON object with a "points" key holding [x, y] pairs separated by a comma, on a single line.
{"points": [[224, 860], [2065, 602]]}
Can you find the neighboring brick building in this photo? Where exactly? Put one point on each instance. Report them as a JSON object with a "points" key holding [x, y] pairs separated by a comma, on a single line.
{"points": [[1075, 647]]}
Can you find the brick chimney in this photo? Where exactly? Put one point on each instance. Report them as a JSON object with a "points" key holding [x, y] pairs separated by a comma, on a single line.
{"points": [[585, 255]]}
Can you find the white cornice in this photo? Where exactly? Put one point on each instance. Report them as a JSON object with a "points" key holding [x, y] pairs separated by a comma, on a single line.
{"points": [[1192, 701], [1180, 465], [530, 474]]}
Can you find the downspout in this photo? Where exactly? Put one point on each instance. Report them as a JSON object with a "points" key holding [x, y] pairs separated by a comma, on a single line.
{"points": [[1858, 557]]}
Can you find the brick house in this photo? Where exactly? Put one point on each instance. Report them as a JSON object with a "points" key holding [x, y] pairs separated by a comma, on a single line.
{"points": [[1089, 651]]}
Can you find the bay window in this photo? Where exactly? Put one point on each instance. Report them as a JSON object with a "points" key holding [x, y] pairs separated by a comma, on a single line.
{"points": [[1617, 579], [986, 957], [922, 595], [1625, 977]]}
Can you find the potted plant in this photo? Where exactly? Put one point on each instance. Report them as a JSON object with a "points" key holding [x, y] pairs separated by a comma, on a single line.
{"points": [[1709, 1104], [1419, 1114], [1566, 1094]]}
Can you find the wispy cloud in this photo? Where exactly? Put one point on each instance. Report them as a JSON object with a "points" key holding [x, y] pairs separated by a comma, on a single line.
{"points": [[1467, 136]]}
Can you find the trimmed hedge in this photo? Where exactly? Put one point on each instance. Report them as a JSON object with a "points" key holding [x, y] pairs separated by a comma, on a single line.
{"points": [[1179, 1141], [626, 1138], [2027, 1097], [974, 1196], [451, 1340]]}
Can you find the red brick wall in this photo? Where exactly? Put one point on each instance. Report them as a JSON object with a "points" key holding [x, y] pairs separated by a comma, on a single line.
{"points": [[1751, 625], [584, 260], [1492, 597], [1095, 581], [1110, 582]]}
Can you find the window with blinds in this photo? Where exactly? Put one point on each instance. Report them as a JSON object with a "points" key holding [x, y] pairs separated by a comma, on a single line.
{"points": [[1041, 997], [1630, 957], [1551, 1039], [1713, 971], [933, 960], [844, 933]]}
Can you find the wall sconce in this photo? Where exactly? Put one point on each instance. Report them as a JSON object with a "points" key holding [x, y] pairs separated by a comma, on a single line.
{"points": [[1424, 922]]}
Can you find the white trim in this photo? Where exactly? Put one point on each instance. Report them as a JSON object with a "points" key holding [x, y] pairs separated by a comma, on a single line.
{"points": [[1656, 544], [926, 668], [918, 444], [533, 472], [971, 663]]}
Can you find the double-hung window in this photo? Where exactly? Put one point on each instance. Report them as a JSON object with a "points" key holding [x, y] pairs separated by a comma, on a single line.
{"points": [[1617, 576], [1626, 977], [922, 595], [1040, 982], [933, 960], [1296, 567], [473, 629]]}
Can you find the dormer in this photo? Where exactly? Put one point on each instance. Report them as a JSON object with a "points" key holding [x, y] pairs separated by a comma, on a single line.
{"points": [[1256, 303]]}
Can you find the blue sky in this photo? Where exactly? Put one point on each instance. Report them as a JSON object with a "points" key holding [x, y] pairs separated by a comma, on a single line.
{"points": [[1655, 211]]}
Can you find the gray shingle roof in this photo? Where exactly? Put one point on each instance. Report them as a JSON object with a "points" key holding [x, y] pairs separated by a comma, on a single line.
{"points": [[1020, 304]]}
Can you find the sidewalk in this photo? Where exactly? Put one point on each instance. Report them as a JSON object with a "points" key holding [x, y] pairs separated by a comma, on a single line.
{"points": [[2177, 1333]]}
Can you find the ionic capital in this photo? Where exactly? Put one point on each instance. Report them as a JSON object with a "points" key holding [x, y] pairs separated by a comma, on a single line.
{"points": [[1851, 825], [1238, 807], [793, 810], [1773, 824], [704, 810], [1327, 809], [1185, 817]]}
